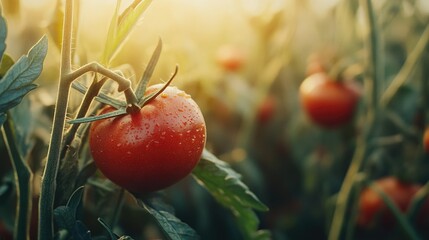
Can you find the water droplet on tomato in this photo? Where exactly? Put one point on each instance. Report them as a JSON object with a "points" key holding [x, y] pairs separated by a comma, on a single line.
{"points": [[164, 95]]}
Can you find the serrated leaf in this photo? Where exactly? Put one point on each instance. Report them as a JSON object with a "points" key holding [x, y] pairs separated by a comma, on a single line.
{"points": [[18, 79], [121, 26], [227, 188], [173, 227], [224, 182], [6, 63], [116, 113], [141, 87], [3, 34], [14, 96]]}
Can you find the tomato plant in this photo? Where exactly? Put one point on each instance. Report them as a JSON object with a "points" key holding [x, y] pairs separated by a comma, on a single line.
{"points": [[153, 148], [373, 210], [327, 102]]}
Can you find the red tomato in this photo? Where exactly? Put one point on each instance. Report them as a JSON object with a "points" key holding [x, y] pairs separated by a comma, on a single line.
{"points": [[266, 110], [373, 210], [154, 148], [328, 103], [426, 140], [230, 58]]}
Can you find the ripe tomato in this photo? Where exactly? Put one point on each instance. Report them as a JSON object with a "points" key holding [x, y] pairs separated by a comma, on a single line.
{"points": [[266, 110], [328, 103], [373, 210], [230, 58], [151, 149], [426, 140]]}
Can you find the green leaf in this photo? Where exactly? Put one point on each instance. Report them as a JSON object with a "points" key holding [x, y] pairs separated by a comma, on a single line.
{"points": [[18, 79], [3, 34], [116, 113], [141, 87], [172, 227], [6, 63], [227, 188], [121, 26]]}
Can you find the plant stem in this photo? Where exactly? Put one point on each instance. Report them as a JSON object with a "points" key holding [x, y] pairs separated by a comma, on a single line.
{"points": [[403, 222], [374, 77], [23, 179], [406, 69], [93, 91], [48, 187]]}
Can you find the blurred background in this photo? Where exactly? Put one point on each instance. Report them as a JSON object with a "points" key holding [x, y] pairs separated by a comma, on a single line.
{"points": [[243, 62]]}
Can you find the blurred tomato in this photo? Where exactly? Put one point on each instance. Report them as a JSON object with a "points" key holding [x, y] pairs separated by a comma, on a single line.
{"points": [[230, 58], [266, 109], [374, 212], [328, 103]]}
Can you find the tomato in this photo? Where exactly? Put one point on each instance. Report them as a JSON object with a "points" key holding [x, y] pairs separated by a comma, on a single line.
{"points": [[230, 58], [153, 148], [426, 140], [328, 103], [372, 209], [266, 110]]}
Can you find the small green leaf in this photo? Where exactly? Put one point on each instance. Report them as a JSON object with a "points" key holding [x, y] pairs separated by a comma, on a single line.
{"points": [[3, 34], [141, 87], [102, 97], [18, 79], [6, 63], [116, 113], [173, 227], [121, 26], [227, 188]]}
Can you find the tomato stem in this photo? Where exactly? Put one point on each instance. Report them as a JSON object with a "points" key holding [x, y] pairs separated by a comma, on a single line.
{"points": [[372, 80], [23, 179], [48, 186], [406, 69]]}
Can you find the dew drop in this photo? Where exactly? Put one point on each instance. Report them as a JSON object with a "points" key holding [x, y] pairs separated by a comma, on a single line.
{"points": [[164, 95]]}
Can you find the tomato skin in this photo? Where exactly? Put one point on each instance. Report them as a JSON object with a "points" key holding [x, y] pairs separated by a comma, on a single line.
{"points": [[154, 148], [328, 103], [373, 210]]}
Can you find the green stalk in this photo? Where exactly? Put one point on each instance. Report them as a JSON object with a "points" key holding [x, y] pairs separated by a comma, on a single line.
{"points": [[374, 77], [48, 187], [407, 69], [23, 179]]}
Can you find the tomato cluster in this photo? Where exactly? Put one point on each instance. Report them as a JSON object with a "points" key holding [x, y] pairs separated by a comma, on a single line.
{"points": [[153, 148]]}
